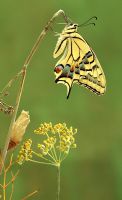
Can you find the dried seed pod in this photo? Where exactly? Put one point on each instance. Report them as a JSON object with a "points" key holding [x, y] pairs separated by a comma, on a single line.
{"points": [[19, 129]]}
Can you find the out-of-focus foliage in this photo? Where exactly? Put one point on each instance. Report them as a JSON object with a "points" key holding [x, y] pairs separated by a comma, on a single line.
{"points": [[94, 170]]}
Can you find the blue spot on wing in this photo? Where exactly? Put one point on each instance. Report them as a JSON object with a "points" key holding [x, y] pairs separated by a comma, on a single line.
{"points": [[66, 72]]}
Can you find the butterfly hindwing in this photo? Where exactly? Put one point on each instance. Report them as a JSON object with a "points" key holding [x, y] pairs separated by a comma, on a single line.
{"points": [[66, 76], [91, 73]]}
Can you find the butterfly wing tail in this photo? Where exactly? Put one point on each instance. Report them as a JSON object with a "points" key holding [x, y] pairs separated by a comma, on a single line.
{"points": [[65, 82]]}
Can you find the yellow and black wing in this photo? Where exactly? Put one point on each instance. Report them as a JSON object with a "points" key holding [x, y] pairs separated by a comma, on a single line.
{"points": [[78, 64]]}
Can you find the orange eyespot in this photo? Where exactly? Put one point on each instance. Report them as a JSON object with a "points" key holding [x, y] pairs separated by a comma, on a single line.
{"points": [[72, 69], [58, 68]]}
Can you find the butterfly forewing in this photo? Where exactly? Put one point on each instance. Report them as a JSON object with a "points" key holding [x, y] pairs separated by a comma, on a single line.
{"points": [[78, 63], [60, 46]]}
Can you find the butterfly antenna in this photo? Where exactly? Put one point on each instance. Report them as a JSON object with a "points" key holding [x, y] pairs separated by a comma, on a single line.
{"points": [[90, 24], [86, 22]]}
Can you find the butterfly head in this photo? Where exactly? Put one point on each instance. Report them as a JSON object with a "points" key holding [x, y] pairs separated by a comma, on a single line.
{"points": [[71, 27]]}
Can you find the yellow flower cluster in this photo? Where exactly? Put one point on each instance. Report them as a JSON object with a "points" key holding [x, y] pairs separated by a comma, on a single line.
{"points": [[47, 145], [44, 128], [25, 153], [62, 136], [67, 139], [54, 145]]}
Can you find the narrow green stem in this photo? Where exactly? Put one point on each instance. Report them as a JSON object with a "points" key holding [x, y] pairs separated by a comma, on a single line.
{"points": [[60, 146], [55, 152], [63, 157], [53, 158], [53, 155], [42, 157], [58, 182], [35, 161]]}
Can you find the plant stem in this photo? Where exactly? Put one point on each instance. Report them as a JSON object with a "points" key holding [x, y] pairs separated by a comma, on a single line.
{"points": [[58, 182], [4, 152], [4, 186], [24, 68], [12, 191], [29, 195], [48, 163]]}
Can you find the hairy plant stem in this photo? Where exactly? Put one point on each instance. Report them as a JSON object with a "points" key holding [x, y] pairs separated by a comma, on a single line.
{"points": [[58, 182], [24, 68]]}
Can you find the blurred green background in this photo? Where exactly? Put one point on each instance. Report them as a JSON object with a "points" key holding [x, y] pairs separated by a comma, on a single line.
{"points": [[94, 170]]}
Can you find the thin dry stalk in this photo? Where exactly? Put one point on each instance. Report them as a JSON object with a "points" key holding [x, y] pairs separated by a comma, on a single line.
{"points": [[24, 68], [30, 195], [11, 181], [12, 187]]}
